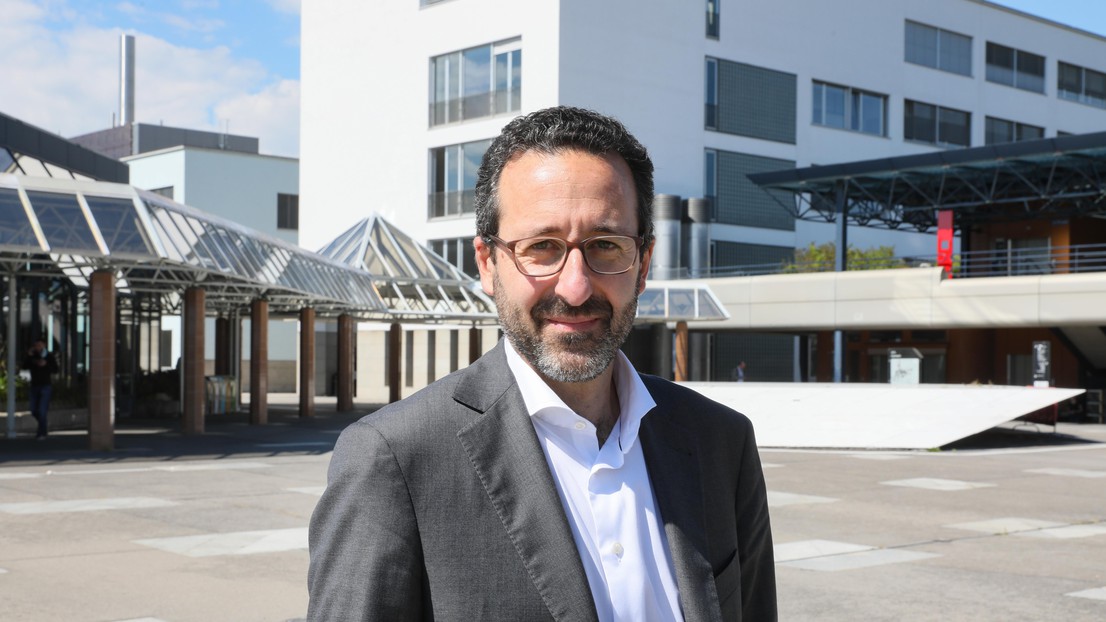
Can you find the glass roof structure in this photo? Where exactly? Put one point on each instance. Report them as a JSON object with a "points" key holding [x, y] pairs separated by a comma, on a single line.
{"points": [[69, 228], [1058, 177], [411, 278], [673, 301]]}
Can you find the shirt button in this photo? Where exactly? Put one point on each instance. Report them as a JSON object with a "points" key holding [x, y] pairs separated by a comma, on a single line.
{"points": [[580, 425], [617, 549]]}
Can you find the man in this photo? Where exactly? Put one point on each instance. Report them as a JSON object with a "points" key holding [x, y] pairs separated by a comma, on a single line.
{"points": [[738, 374], [42, 364], [549, 480]]}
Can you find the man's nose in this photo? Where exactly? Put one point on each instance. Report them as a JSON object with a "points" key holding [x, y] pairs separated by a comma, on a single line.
{"points": [[574, 280]]}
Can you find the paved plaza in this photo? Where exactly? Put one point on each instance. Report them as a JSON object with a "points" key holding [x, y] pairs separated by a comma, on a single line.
{"points": [[1006, 526]]}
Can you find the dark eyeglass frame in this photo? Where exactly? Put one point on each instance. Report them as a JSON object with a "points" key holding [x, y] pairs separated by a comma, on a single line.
{"points": [[510, 248]]}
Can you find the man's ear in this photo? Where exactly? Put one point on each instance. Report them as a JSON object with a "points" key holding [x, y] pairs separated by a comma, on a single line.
{"points": [[646, 258], [485, 263]]}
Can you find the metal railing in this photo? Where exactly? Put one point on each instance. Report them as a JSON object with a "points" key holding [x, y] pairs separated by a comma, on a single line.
{"points": [[969, 264]]}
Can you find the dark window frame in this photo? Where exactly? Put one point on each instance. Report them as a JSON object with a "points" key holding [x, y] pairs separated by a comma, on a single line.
{"points": [[913, 131], [288, 211]]}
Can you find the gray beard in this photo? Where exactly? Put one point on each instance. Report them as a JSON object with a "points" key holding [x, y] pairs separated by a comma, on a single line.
{"points": [[566, 358]]}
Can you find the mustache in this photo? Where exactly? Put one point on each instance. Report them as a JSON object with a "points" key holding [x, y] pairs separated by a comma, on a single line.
{"points": [[558, 306]]}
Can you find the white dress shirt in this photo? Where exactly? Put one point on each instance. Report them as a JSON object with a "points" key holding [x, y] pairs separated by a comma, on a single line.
{"points": [[607, 496]]}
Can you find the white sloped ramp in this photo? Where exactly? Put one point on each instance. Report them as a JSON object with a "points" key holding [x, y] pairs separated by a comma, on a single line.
{"points": [[875, 416]]}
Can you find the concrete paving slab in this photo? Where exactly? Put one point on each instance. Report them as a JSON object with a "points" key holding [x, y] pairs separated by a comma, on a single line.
{"points": [[1069, 472], [1067, 532], [863, 559], [237, 543], [1007, 525], [83, 505], [808, 549], [936, 483], [778, 499]]}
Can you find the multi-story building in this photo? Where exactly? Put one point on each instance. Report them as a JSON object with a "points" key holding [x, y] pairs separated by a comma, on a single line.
{"points": [[716, 90]]}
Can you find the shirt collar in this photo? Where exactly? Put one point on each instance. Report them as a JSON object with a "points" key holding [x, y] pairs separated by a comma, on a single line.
{"points": [[634, 399]]}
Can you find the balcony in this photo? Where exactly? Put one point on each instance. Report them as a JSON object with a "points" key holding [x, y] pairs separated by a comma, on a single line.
{"points": [[452, 204], [475, 106]]}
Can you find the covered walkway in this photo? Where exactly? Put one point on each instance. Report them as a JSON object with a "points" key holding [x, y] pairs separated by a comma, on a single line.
{"points": [[101, 243]]}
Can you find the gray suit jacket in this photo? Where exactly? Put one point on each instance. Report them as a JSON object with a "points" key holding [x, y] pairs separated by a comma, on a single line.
{"points": [[442, 507]]}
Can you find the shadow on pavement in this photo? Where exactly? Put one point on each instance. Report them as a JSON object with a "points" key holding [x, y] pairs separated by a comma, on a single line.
{"points": [[225, 436], [1032, 435]]}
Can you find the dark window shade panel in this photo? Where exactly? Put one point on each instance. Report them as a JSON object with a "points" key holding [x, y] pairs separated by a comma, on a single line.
{"points": [[756, 102], [741, 202]]}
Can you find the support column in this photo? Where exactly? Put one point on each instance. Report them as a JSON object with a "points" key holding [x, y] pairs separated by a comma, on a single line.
{"points": [[345, 363], [222, 346], [662, 350], [192, 365], [13, 325], [840, 264], [307, 362], [101, 372], [475, 345], [259, 362], [681, 374], [234, 347], [395, 360]]}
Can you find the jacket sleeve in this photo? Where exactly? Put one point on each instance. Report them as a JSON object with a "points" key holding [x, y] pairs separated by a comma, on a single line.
{"points": [[754, 537], [366, 560]]}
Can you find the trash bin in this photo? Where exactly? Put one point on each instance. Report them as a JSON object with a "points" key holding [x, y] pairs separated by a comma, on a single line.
{"points": [[221, 394]]}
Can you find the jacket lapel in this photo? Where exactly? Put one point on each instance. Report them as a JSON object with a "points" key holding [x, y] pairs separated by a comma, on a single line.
{"points": [[504, 450], [670, 458]]}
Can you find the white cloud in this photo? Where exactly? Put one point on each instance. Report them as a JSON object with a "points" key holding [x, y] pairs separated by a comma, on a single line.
{"points": [[272, 114], [291, 7], [63, 76]]}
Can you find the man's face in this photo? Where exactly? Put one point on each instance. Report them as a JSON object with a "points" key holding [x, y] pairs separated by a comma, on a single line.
{"points": [[567, 326]]}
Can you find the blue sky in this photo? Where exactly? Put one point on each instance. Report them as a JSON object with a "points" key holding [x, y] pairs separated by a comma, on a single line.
{"points": [[206, 64], [202, 64]]}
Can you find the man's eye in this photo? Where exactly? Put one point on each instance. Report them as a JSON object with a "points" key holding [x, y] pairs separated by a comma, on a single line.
{"points": [[541, 246]]}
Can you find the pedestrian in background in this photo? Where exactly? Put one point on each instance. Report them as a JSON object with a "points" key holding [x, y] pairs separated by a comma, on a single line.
{"points": [[42, 365], [738, 374]]}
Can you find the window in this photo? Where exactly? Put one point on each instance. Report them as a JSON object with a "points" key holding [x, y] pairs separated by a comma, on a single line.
{"points": [[938, 48], [453, 178], [850, 109], [927, 123], [288, 211], [459, 252], [1015, 68], [710, 176], [477, 82], [1082, 85], [1003, 131], [752, 101], [711, 95], [712, 18], [738, 201]]}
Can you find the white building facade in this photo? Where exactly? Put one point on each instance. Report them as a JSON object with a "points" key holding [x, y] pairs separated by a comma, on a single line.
{"points": [[401, 98], [260, 191], [404, 96]]}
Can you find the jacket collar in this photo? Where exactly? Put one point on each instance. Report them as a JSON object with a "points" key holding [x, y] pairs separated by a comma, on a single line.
{"points": [[504, 450]]}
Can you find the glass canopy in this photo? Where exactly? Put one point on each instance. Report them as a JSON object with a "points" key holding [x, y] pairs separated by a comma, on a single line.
{"points": [[70, 228], [416, 279]]}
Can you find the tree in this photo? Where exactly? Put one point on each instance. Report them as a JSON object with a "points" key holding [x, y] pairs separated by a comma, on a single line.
{"points": [[820, 258]]}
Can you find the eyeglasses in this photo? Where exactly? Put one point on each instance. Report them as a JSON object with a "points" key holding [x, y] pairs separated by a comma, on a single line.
{"points": [[542, 256]]}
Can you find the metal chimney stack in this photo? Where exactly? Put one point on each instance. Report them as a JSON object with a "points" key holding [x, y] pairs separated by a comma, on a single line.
{"points": [[126, 79]]}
